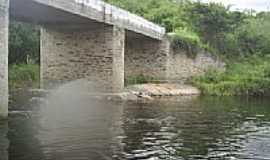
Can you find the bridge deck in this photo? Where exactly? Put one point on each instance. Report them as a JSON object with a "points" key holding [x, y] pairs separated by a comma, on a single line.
{"points": [[82, 12]]}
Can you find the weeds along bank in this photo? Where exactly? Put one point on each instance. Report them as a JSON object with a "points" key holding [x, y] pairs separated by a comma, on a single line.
{"points": [[23, 76], [247, 76]]}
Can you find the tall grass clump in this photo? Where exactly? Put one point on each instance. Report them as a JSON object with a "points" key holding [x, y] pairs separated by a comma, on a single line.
{"points": [[250, 76], [186, 40], [139, 79], [23, 75]]}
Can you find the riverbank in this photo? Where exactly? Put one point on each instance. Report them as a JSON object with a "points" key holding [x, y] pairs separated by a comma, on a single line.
{"points": [[248, 76], [82, 88], [162, 90], [141, 92], [23, 76]]}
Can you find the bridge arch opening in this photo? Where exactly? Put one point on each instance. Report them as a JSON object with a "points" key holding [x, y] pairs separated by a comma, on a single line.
{"points": [[146, 59], [23, 60]]}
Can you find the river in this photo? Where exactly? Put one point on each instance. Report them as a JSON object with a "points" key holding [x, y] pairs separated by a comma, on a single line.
{"points": [[169, 129]]}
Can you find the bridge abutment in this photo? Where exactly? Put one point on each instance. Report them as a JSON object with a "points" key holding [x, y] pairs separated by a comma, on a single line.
{"points": [[71, 53], [146, 57], [4, 22]]}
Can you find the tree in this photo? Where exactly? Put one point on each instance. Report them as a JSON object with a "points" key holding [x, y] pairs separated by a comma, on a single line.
{"points": [[23, 43], [254, 35], [167, 13], [211, 21]]}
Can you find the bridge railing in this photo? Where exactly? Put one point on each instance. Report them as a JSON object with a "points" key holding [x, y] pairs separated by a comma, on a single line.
{"points": [[121, 14]]}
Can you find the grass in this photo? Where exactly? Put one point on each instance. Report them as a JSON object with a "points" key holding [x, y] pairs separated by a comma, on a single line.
{"points": [[188, 41], [23, 75], [250, 76], [27, 76], [140, 79]]}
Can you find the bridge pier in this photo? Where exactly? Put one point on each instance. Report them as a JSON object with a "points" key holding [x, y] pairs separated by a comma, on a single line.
{"points": [[71, 53], [4, 22]]}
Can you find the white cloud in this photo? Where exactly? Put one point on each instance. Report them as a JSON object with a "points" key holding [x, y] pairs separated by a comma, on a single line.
{"points": [[258, 5]]}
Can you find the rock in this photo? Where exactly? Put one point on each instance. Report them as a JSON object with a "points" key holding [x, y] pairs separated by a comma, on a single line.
{"points": [[131, 97], [145, 97], [163, 90], [37, 100], [40, 92]]}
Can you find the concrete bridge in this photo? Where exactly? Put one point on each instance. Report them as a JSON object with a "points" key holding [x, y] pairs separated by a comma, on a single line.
{"points": [[85, 39]]}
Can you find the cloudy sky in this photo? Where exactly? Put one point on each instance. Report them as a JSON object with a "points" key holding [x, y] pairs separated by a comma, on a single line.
{"points": [[258, 5]]}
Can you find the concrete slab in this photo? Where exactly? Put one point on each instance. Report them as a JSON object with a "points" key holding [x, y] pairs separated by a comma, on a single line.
{"points": [[82, 12]]}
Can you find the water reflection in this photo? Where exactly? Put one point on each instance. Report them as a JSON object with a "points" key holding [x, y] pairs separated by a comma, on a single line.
{"points": [[200, 128], [4, 143], [80, 132], [23, 130], [74, 126], [207, 128]]}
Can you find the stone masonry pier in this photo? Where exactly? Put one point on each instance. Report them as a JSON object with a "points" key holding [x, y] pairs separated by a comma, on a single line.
{"points": [[84, 39], [96, 54]]}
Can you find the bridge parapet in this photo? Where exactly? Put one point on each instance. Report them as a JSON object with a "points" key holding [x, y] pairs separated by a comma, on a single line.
{"points": [[106, 13], [119, 14]]}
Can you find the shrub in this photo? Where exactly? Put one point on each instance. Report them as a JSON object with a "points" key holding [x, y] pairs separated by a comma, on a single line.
{"points": [[23, 43], [23, 75], [186, 40], [251, 76], [140, 79]]}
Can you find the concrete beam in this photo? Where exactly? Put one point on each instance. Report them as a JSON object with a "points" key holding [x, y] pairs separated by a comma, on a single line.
{"points": [[106, 13], [4, 22]]}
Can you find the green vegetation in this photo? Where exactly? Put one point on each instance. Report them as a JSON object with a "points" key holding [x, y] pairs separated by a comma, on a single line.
{"points": [[247, 52], [167, 13], [23, 55], [23, 75], [23, 43], [140, 79], [186, 40], [251, 76]]}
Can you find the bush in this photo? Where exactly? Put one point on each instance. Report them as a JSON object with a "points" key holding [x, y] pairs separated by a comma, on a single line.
{"points": [[186, 40], [253, 35], [251, 76], [23, 43], [23, 75], [140, 79]]}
